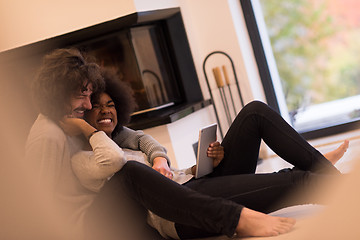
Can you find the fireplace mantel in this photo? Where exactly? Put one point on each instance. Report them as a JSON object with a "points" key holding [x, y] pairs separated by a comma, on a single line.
{"points": [[166, 116]]}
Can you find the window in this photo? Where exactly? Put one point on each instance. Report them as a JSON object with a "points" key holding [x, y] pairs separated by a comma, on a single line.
{"points": [[315, 47]]}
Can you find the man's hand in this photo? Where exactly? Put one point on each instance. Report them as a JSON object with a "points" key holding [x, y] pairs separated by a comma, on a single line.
{"points": [[71, 126], [216, 152], [161, 165], [76, 126]]}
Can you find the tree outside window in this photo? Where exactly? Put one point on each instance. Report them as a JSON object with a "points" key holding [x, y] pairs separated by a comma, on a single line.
{"points": [[316, 48]]}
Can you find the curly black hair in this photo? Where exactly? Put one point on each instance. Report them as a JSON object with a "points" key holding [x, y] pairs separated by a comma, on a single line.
{"points": [[62, 74], [121, 94]]}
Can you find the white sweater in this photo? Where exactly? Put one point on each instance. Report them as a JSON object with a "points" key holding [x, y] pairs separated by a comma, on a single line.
{"points": [[93, 168]]}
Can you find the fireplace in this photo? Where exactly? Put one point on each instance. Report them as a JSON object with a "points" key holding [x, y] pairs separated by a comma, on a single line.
{"points": [[149, 50]]}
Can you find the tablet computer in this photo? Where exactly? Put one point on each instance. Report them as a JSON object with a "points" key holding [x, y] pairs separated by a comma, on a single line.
{"points": [[204, 164]]}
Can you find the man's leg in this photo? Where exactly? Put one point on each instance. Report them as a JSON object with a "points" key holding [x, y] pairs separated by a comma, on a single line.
{"points": [[150, 190], [262, 192]]}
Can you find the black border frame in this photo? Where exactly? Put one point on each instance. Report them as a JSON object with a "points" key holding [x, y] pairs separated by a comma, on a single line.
{"points": [[259, 54], [180, 54]]}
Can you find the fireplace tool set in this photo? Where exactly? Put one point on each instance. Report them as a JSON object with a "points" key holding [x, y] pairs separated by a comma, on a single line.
{"points": [[224, 88]]}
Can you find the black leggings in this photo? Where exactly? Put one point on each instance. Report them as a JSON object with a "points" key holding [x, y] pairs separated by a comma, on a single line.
{"points": [[256, 122], [212, 205], [235, 179]]}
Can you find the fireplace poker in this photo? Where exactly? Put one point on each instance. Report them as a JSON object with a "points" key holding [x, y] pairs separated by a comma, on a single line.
{"points": [[220, 85], [227, 81]]}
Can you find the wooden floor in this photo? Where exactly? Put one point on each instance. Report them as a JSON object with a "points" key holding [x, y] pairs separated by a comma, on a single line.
{"points": [[273, 163]]}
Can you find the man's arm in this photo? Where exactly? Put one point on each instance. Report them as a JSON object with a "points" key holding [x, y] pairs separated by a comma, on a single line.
{"points": [[45, 150]]}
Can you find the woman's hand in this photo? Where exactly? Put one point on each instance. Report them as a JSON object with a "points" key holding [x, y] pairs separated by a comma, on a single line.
{"points": [[161, 165], [216, 152]]}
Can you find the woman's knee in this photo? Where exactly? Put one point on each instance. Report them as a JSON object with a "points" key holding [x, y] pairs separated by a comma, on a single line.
{"points": [[255, 106]]}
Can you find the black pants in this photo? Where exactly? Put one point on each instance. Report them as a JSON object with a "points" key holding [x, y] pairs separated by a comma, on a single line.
{"points": [[256, 122], [235, 179], [212, 205], [120, 208]]}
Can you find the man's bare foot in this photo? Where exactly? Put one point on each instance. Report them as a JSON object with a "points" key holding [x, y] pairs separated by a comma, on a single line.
{"points": [[257, 224], [336, 154]]}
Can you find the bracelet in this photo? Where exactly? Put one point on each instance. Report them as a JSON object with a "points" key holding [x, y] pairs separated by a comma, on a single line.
{"points": [[92, 134]]}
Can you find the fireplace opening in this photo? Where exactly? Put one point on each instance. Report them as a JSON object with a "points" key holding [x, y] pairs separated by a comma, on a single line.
{"points": [[141, 58]]}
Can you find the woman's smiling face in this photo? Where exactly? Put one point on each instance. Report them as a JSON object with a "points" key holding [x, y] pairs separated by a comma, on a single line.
{"points": [[103, 115]]}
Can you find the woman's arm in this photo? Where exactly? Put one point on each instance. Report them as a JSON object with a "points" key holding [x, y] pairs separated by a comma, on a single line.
{"points": [[94, 167], [156, 153], [138, 140]]}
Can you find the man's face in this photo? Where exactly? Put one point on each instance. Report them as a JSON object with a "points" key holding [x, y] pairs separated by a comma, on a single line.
{"points": [[80, 102]]}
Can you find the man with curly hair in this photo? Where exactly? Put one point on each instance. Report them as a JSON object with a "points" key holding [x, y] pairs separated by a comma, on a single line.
{"points": [[63, 87]]}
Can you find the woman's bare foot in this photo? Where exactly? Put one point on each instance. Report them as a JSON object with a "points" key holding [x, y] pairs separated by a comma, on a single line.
{"points": [[336, 154], [257, 224]]}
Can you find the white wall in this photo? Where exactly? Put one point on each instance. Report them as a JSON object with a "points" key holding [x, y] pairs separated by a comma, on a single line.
{"points": [[24, 22], [218, 25], [210, 24], [146, 5]]}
